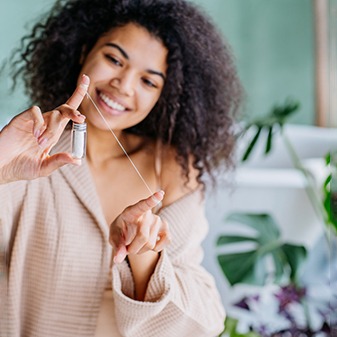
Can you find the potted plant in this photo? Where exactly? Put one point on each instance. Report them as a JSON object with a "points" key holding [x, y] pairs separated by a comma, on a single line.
{"points": [[282, 289]]}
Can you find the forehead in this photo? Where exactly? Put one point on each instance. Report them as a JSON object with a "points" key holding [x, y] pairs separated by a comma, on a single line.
{"points": [[137, 42]]}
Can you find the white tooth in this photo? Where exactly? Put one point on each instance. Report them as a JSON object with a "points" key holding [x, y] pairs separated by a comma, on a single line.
{"points": [[112, 104]]}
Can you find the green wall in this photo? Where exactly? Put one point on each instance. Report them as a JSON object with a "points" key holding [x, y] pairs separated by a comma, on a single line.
{"points": [[16, 19], [274, 48], [272, 41]]}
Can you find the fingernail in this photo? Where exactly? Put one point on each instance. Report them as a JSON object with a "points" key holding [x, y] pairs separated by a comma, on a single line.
{"points": [[160, 195], [156, 200], [85, 81]]}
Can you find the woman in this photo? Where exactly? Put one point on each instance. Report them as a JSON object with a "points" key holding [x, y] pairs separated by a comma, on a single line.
{"points": [[165, 83]]}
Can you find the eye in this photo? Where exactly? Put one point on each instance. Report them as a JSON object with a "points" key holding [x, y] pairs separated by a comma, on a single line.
{"points": [[113, 60], [149, 83]]}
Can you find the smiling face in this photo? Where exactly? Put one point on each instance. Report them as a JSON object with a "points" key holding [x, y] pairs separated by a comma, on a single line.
{"points": [[127, 68]]}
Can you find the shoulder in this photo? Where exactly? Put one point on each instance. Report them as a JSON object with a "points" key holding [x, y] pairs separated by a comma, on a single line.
{"points": [[173, 181]]}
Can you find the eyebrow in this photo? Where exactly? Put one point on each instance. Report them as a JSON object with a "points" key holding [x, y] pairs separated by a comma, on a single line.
{"points": [[124, 53]]}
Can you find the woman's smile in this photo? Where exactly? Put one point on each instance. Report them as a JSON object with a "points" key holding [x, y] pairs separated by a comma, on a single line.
{"points": [[110, 104]]}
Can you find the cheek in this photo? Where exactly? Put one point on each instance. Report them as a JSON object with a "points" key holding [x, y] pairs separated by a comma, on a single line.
{"points": [[145, 109], [152, 101], [95, 70]]}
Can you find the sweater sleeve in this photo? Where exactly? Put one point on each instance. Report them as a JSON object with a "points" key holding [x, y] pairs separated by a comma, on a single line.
{"points": [[181, 298], [11, 197]]}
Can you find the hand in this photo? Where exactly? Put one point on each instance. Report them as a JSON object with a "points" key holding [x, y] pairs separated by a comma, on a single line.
{"points": [[137, 230], [26, 141]]}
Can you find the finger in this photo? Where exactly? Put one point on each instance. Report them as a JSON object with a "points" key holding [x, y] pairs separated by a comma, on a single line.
{"points": [[154, 233], [120, 254], [134, 212], [52, 163], [116, 238], [76, 98], [164, 238], [54, 130], [141, 238], [55, 122], [153, 237], [67, 112], [39, 124]]}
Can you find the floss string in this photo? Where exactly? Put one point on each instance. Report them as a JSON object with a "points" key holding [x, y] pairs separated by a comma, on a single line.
{"points": [[119, 143]]}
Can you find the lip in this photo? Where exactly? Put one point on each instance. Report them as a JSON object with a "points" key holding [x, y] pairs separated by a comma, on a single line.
{"points": [[107, 108]]}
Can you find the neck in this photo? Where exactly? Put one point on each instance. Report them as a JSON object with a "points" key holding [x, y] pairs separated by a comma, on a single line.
{"points": [[102, 147]]}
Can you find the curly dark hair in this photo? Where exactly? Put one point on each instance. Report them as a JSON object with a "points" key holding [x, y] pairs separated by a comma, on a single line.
{"points": [[195, 112]]}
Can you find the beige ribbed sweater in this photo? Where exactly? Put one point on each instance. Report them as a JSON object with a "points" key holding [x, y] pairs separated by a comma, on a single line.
{"points": [[55, 263]]}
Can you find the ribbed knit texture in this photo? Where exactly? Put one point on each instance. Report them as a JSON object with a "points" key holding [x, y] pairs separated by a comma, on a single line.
{"points": [[55, 257]]}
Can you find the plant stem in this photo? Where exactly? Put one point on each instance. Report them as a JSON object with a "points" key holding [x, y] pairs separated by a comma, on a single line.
{"points": [[310, 186]]}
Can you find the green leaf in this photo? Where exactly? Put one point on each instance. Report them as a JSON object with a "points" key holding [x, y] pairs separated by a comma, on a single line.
{"points": [[280, 266], [250, 267], [327, 203], [276, 117], [228, 239], [333, 206], [295, 257], [265, 226], [330, 201], [240, 268], [230, 325], [230, 329], [328, 158], [269, 140], [284, 111], [252, 144], [327, 182]]}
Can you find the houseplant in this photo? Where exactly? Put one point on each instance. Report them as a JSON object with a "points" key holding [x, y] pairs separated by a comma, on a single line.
{"points": [[271, 277]]}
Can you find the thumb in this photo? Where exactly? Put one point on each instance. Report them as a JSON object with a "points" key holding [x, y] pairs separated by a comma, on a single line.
{"points": [[56, 161], [134, 212]]}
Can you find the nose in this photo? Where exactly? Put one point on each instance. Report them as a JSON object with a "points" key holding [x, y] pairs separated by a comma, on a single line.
{"points": [[125, 83]]}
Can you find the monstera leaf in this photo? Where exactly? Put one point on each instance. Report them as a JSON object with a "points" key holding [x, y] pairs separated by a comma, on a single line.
{"points": [[251, 266]]}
